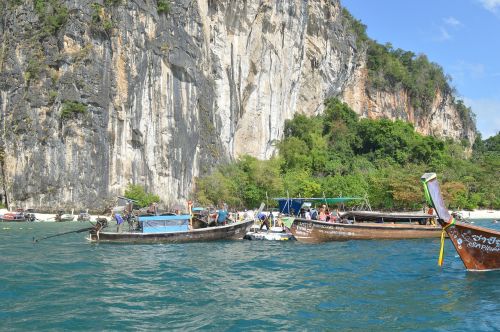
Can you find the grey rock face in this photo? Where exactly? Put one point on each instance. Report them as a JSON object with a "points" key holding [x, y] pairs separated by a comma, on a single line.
{"points": [[166, 95]]}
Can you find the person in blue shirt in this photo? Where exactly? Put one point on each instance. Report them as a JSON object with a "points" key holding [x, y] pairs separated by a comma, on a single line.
{"points": [[119, 222], [264, 220], [221, 216]]}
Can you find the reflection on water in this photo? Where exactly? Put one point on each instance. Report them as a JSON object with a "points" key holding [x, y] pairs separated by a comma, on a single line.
{"points": [[66, 283]]}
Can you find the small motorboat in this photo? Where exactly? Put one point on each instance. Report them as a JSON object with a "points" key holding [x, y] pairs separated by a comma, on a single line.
{"points": [[13, 216], [61, 216], [83, 216], [19, 215]]}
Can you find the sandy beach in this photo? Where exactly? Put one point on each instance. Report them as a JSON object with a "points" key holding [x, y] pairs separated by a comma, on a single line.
{"points": [[480, 214], [476, 214]]}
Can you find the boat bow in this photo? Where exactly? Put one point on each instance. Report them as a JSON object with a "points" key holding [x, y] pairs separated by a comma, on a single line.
{"points": [[478, 247]]}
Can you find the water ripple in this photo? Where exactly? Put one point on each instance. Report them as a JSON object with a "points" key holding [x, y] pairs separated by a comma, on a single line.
{"points": [[66, 283]]}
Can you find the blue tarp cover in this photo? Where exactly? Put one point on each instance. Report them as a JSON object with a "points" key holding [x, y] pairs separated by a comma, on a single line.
{"points": [[165, 224], [175, 217], [290, 205], [293, 205]]}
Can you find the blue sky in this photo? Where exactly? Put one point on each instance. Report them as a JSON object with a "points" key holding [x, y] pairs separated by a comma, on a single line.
{"points": [[463, 36]]}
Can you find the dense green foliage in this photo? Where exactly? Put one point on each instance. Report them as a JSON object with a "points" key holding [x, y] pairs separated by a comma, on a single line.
{"points": [[139, 194], [72, 108], [337, 154], [53, 14], [32, 70], [109, 3], [356, 27], [492, 144], [101, 19], [241, 184], [163, 6], [391, 69]]}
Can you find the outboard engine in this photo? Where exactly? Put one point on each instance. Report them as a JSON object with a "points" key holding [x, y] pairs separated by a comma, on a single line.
{"points": [[100, 224]]}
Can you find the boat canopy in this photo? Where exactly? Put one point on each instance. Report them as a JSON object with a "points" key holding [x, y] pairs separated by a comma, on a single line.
{"points": [[293, 205], [162, 224]]}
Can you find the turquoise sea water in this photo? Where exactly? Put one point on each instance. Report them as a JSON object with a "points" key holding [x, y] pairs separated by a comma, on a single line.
{"points": [[65, 283]]}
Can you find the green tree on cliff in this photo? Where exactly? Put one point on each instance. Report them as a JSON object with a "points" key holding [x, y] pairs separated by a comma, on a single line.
{"points": [[139, 194]]}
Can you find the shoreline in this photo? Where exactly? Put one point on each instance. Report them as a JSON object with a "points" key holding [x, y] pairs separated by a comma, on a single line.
{"points": [[480, 214], [475, 214], [51, 217]]}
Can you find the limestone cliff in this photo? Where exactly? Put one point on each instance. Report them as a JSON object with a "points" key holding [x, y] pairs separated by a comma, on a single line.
{"points": [[442, 119], [95, 95]]}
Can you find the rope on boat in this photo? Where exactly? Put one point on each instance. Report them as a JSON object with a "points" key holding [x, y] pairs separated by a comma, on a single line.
{"points": [[100, 223], [443, 233]]}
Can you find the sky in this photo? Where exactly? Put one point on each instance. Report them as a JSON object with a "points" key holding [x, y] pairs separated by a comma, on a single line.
{"points": [[462, 36]]}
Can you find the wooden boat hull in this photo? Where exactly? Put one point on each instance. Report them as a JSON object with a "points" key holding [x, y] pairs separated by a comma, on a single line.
{"points": [[314, 231], [371, 216], [227, 232], [13, 217], [478, 247], [13, 220]]}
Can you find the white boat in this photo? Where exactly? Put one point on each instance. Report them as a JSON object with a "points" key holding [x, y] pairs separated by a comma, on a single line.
{"points": [[273, 234]]}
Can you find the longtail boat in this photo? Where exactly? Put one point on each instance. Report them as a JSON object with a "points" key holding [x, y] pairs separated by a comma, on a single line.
{"points": [[357, 225], [13, 216], [169, 229], [478, 247], [386, 216], [19, 215], [62, 217], [313, 231]]}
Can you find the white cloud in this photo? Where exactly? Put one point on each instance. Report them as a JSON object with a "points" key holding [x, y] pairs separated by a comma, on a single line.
{"points": [[444, 35], [453, 22], [487, 112], [463, 71], [491, 5], [448, 23]]}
